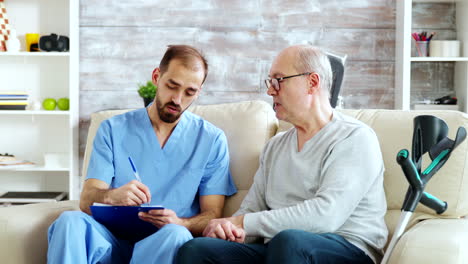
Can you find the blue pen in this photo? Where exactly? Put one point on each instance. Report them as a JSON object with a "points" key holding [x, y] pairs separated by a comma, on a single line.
{"points": [[135, 172]]}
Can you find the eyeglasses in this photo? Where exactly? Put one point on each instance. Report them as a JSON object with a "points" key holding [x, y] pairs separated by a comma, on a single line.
{"points": [[275, 82]]}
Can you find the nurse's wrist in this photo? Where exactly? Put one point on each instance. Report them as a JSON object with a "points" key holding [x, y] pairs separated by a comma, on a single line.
{"points": [[107, 197], [184, 222]]}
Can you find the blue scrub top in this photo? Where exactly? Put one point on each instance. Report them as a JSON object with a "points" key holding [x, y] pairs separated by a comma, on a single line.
{"points": [[193, 162]]}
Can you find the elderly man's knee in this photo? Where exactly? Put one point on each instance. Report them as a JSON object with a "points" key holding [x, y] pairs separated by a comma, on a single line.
{"points": [[197, 245], [289, 237], [194, 251]]}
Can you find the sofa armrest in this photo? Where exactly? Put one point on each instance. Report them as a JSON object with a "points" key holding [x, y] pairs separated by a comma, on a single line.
{"points": [[23, 230], [433, 241]]}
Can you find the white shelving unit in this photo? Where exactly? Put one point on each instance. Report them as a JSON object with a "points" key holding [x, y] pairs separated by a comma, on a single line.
{"points": [[35, 54], [35, 112], [438, 59], [404, 59], [31, 134]]}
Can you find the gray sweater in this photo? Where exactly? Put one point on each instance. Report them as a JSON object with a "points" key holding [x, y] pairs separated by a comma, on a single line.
{"points": [[333, 185]]}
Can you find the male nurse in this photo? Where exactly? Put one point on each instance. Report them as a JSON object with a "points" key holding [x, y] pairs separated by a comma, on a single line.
{"points": [[183, 163]]}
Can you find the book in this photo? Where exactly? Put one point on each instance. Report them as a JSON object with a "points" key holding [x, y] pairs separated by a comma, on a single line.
{"points": [[7, 157], [32, 197], [123, 221], [13, 92], [19, 97], [13, 102], [13, 97], [12, 107], [14, 164]]}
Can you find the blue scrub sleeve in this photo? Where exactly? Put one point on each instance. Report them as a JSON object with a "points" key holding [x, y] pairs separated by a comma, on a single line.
{"points": [[101, 163], [217, 178]]}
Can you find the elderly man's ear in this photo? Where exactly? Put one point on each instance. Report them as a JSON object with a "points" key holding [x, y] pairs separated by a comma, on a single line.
{"points": [[314, 83]]}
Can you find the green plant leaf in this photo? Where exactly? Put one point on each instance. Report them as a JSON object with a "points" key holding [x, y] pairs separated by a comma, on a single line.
{"points": [[148, 90]]}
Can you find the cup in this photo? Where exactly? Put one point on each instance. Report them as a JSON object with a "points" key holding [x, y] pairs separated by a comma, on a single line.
{"points": [[445, 48], [56, 160], [421, 48], [32, 38]]}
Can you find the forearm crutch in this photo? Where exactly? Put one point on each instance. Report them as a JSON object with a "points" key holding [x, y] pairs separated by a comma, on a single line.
{"points": [[430, 135]]}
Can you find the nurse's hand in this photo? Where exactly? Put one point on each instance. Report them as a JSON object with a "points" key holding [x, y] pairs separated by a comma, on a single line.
{"points": [[131, 194], [161, 217]]}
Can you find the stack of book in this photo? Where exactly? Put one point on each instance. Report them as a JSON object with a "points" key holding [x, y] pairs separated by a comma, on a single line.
{"points": [[10, 198], [9, 161], [13, 100]]}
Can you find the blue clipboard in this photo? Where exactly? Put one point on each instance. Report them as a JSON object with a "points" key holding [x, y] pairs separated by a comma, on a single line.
{"points": [[123, 221]]}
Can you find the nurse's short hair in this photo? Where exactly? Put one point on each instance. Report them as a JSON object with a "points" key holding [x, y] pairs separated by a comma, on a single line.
{"points": [[187, 55]]}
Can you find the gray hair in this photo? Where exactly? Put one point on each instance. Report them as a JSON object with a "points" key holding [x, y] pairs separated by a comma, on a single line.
{"points": [[313, 59]]}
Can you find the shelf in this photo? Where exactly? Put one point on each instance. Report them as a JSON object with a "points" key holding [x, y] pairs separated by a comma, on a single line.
{"points": [[35, 168], [435, 1], [436, 107], [439, 58], [31, 197], [32, 112], [35, 54]]}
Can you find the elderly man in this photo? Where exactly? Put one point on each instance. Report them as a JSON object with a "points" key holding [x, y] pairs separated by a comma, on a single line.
{"points": [[183, 162], [318, 194]]}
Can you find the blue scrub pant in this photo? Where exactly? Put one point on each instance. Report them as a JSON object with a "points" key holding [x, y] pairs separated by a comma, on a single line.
{"points": [[289, 246], [76, 237]]}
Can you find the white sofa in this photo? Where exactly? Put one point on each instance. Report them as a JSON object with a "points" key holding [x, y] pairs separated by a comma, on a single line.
{"points": [[430, 238]]}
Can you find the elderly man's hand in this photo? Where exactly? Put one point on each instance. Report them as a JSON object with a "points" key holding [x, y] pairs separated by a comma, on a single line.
{"points": [[224, 228]]}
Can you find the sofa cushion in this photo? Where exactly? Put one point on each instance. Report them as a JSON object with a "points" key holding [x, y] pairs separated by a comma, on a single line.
{"points": [[23, 230], [433, 241], [247, 125]]}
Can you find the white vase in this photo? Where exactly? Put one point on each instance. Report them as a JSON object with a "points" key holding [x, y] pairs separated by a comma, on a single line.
{"points": [[13, 44]]}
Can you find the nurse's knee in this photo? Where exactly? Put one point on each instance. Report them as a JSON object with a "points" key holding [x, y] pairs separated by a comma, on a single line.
{"points": [[72, 218], [68, 221], [174, 230]]}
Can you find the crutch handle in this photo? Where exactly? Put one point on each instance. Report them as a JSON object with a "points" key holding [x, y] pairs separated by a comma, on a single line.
{"points": [[434, 203], [416, 187], [409, 170]]}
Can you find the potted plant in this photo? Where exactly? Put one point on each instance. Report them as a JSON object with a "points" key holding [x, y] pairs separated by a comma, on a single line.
{"points": [[147, 92]]}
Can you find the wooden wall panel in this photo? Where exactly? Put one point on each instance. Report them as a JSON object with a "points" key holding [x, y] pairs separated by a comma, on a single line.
{"points": [[369, 85], [432, 80], [235, 62], [434, 15], [360, 77], [122, 41], [253, 14]]}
